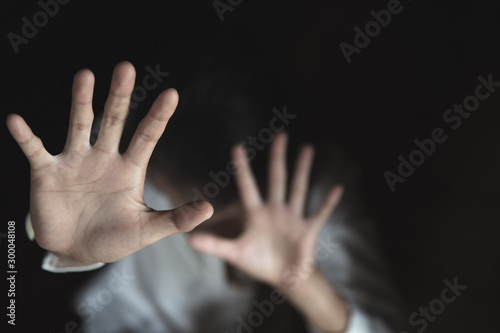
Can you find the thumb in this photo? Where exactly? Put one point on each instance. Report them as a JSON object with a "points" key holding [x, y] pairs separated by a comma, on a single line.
{"points": [[160, 224], [214, 245]]}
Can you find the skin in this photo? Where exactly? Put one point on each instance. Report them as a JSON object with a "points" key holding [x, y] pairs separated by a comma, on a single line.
{"points": [[87, 203], [277, 238]]}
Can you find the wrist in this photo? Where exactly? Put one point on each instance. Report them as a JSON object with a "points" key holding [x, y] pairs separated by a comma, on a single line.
{"points": [[301, 285], [319, 302], [297, 277]]}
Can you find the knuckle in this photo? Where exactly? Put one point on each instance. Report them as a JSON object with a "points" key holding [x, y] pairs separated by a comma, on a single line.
{"points": [[27, 141], [147, 137], [35, 147], [113, 119], [79, 127], [106, 149], [36, 152]]}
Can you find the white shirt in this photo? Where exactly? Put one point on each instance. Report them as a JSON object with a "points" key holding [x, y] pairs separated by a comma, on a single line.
{"points": [[170, 287]]}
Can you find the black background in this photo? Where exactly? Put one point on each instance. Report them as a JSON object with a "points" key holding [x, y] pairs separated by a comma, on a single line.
{"points": [[441, 223]]}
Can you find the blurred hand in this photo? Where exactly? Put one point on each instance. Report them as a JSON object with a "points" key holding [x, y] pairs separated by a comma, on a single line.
{"points": [[87, 203], [277, 237]]}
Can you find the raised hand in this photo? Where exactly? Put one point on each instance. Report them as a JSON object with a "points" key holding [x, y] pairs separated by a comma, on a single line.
{"points": [[277, 237], [87, 203]]}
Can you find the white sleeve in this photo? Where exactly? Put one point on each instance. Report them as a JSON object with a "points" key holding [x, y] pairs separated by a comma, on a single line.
{"points": [[53, 263]]}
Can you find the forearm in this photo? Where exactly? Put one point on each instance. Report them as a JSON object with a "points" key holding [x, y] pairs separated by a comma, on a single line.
{"points": [[319, 303]]}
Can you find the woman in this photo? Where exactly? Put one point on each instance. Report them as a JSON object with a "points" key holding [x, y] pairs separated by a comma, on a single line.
{"points": [[88, 207]]}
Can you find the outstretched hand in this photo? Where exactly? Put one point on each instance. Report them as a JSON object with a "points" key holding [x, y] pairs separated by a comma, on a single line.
{"points": [[277, 237], [87, 203]]}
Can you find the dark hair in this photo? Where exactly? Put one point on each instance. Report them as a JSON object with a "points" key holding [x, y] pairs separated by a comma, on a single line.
{"points": [[220, 105]]}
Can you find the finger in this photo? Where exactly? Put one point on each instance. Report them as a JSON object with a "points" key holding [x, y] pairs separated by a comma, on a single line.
{"points": [[160, 224], [277, 168], [151, 128], [319, 218], [245, 180], [299, 187], [116, 108], [30, 144], [214, 246], [81, 116]]}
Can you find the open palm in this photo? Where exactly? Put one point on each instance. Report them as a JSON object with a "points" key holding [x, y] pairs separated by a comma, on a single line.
{"points": [[277, 238], [87, 203]]}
